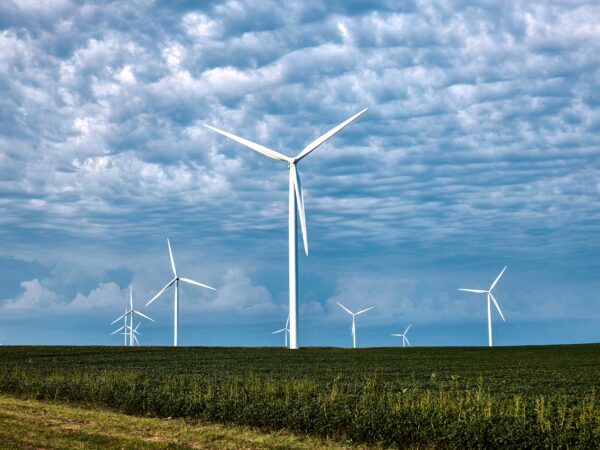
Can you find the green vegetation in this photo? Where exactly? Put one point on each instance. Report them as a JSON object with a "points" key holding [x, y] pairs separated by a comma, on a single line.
{"points": [[35, 424], [419, 397]]}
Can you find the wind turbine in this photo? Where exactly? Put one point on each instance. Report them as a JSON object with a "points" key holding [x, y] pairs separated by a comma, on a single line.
{"points": [[295, 208], [404, 338], [285, 330], [130, 312], [490, 299], [176, 281], [353, 321]]}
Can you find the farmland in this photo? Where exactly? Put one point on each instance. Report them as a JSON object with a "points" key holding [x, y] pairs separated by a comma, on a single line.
{"points": [[417, 397]]}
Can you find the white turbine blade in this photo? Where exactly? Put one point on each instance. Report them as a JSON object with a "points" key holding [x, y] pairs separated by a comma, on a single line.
{"points": [[279, 331], [253, 145], [116, 331], [407, 341], [120, 317], [497, 279], [364, 310], [408, 328], [143, 315], [324, 138], [353, 328], [187, 280], [497, 306], [287, 322], [477, 291], [172, 260], [130, 297], [347, 310], [136, 327], [396, 334], [135, 339], [300, 202], [161, 291]]}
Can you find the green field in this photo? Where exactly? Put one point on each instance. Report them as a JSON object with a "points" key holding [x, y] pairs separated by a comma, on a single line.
{"points": [[519, 397]]}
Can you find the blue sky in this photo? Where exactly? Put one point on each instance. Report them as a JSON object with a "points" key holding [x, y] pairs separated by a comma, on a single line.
{"points": [[480, 148]]}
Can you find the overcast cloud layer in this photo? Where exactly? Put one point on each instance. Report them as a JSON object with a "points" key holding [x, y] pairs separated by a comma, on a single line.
{"points": [[480, 148]]}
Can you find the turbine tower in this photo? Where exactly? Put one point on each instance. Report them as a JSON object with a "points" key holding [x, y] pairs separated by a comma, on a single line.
{"points": [[404, 338], [353, 321], [490, 299], [285, 330], [129, 314], [295, 209], [176, 281]]}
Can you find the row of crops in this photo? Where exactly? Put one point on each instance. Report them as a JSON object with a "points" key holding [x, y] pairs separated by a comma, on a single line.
{"points": [[526, 398]]}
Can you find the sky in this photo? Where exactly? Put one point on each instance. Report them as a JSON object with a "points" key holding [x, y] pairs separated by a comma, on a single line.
{"points": [[480, 149]]}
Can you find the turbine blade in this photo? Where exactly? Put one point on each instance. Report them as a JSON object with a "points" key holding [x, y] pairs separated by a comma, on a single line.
{"points": [[119, 318], [137, 326], [135, 339], [161, 291], [253, 145], [116, 331], [130, 297], [407, 328], [364, 310], [324, 138], [187, 280], [172, 260], [144, 316], [396, 334], [407, 341], [300, 202], [477, 291], [497, 279], [287, 322], [497, 306], [279, 331], [353, 327], [347, 310]]}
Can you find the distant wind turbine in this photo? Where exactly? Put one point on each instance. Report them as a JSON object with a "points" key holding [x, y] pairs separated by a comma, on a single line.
{"points": [[490, 299], [353, 321], [296, 208], [130, 312], [404, 338], [285, 330], [176, 281]]}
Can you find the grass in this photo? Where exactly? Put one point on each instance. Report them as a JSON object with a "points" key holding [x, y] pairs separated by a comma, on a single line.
{"points": [[518, 397], [51, 425]]}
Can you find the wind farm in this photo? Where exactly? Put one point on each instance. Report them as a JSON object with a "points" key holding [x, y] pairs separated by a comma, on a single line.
{"points": [[443, 157]]}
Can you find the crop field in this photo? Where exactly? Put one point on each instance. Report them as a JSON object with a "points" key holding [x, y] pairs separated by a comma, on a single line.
{"points": [[518, 397]]}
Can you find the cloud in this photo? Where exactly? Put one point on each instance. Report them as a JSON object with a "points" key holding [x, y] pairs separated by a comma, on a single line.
{"points": [[35, 296], [480, 142]]}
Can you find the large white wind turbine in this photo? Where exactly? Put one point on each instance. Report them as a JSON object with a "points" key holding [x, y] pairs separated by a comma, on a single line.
{"points": [[176, 281], [285, 330], [129, 314], [490, 299], [295, 210], [404, 338], [353, 321]]}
